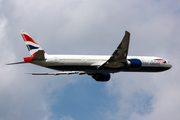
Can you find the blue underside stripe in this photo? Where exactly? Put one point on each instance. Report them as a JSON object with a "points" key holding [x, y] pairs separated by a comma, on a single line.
{"points": [[86, 68]]}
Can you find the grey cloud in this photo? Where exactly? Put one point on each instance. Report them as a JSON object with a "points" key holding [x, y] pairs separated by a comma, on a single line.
{"points": [[90, 27]]}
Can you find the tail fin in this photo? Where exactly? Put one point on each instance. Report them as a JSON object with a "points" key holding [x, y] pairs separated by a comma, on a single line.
{"points": [[32, 46]]}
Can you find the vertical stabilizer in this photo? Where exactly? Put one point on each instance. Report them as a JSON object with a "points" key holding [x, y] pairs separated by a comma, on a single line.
{"points": [[32, 46]]}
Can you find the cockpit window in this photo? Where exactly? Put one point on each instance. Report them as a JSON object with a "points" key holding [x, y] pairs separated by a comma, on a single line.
{"points": [[164, 62]]}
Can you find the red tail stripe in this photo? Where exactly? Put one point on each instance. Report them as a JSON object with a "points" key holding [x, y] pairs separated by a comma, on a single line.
{"points": [[28, 59], [27, 38], [33, 54]]}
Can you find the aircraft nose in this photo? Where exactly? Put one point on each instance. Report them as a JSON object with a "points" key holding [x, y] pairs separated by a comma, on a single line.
{"points": [[167, 66], [170, 66]]}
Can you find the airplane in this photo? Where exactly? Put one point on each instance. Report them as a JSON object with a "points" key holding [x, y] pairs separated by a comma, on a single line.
{"points": [[98, 66]]}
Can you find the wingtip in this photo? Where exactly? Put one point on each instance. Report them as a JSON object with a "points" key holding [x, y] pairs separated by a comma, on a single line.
{"points": [[127, 32]]}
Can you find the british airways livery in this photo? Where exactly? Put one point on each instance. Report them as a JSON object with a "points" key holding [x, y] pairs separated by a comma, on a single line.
{"points": [[98, 66]]}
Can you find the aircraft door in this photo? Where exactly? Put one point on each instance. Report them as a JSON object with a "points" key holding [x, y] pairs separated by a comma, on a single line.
{"points": [[56, 59], [84, 59]]}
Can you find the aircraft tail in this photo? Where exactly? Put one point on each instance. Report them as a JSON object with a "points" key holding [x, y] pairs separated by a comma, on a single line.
{"points": [[37, 53], [32, 46]]}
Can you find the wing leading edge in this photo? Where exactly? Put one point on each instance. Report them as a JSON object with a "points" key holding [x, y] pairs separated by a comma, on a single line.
{"points": [[118, 58]]}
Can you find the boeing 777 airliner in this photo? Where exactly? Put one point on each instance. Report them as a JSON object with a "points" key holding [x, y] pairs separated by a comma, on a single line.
{"points": [[97, 66]]}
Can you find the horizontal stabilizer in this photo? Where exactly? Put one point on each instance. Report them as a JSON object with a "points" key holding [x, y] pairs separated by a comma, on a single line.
{"points": [[16, 63]]}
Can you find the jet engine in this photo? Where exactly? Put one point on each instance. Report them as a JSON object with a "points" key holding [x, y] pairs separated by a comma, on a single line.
{"points": [[134, 64], [101, 77]]}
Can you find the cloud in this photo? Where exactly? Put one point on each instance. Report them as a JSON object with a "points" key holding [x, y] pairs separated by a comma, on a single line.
{"points": [[89, 27], [66, 118]]}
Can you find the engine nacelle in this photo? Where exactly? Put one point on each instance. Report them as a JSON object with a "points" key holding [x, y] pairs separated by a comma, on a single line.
{"points": [[101, 77], [134, 64]]}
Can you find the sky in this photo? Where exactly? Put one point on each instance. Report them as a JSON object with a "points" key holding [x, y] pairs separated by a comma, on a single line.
{"points": [[89, 27]]}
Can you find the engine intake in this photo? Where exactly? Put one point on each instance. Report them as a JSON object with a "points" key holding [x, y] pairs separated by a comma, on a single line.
{"points": [[134, 64], [101, 77]]}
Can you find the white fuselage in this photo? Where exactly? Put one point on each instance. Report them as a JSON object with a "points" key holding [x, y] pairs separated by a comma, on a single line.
{"points": [[90, 63]]}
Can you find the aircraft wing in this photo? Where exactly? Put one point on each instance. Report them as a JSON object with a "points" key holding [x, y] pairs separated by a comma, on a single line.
{"points": [[118, 58], [60, 73]]}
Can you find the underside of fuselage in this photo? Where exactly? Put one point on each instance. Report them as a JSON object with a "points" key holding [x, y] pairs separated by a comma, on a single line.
{"points": [[105, 70], [93, 69]]}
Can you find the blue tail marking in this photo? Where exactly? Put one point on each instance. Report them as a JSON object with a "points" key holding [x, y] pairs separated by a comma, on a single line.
{"points": [[30, 47]]}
